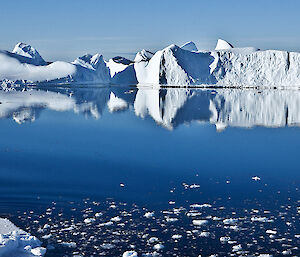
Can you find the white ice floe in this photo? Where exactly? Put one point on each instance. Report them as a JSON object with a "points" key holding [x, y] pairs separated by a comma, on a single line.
{"points": [[130, 254], [149, 214], [261, 219], [16, 242], [176, 237], [256, 178], [199, 222], [158, 247], [230, 221]]}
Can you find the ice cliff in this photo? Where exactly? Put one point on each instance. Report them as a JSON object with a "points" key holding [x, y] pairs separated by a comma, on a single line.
{"points": [[224, 66], [16, 242]]}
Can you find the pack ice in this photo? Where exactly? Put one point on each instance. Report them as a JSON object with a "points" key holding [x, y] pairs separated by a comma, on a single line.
{"points": [[16, 242], [224, 66]]}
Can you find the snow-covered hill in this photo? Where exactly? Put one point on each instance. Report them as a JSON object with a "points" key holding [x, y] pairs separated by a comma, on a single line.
{"points": [[225, 66]]}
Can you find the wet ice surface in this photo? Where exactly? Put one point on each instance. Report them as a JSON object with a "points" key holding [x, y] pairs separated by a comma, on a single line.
{"points": [[133, 172]]}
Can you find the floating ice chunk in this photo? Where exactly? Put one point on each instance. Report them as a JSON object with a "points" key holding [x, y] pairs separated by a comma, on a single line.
{"points": [[89, 220], [149, 214], [107, 246], [158, 247], [176, 237], [230, 221], [38, 251], [223, 45], [256, 178], [224, 239], [205, 205], [130, 254], [199, 222], [272, 232], [261, 219], [236, 248], [204, 234], [168, 219], [16, 242], [152, 240], [69, 244], [116, 219], [287, 252], [194, 186]]}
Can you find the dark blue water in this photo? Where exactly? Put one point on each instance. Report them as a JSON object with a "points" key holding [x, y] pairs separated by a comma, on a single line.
{"points": [[64, 145]]}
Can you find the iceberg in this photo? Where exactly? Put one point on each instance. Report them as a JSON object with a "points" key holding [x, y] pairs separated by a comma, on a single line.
{"points": [[90, 68], [29, 52], [223, 45], [143, 56], [16, 242], [184, 66]]}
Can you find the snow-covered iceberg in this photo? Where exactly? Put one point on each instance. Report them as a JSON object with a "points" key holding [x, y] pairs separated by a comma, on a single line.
{"points": [[225, 66], [29, 52], [16, 242]]}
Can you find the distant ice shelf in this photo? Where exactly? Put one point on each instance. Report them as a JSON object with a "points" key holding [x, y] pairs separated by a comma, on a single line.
{"points": [[224, 66], [16, 242]]}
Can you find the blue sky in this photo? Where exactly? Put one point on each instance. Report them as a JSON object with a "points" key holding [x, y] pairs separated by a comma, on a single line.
{"points": [[66, 29]]}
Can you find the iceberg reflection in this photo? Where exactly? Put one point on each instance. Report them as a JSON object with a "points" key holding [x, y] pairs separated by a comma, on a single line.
{"points": [[168, 107]]}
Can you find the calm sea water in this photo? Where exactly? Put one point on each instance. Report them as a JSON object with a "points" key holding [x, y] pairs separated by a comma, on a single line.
{"points": [[123, 152]]}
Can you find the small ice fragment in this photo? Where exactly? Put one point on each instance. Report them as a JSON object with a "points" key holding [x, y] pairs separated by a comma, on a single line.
{"points": [[149, 214], [175, 237], [256, 178], [237, 248], [38, 251], [199, 222], [89, 220], [152, 240], [204, 234], [272, 232], [130, 254], [230, 221], [116, 219], [224, 239], [194, 186], [158, 247]]}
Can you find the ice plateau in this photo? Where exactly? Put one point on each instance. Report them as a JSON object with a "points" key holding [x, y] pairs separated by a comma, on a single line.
{"points": [[225, 66]]}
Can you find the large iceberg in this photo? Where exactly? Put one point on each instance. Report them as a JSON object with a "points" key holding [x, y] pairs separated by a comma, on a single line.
{"points": [[16, 242], [225, 66]]}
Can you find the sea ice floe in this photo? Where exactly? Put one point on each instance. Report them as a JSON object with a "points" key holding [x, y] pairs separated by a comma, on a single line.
{"points": [[16, 242], [199, 222]]}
